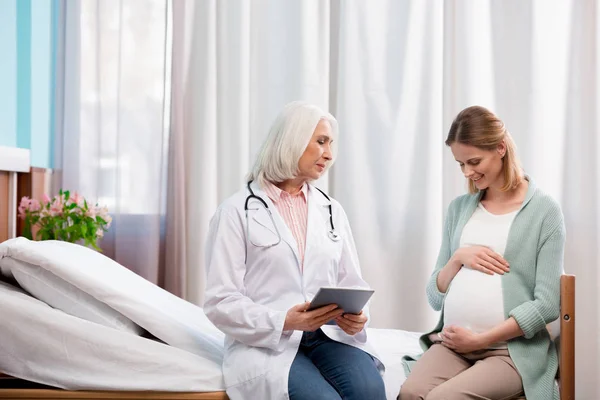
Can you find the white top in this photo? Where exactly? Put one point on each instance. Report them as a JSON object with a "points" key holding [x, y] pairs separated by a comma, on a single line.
{"points": [[474, 299]]}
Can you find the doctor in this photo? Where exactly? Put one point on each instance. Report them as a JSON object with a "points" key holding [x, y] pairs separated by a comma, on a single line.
{"points": [[270, 248]]}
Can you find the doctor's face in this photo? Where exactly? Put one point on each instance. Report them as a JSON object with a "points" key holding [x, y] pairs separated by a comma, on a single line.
{"points": [[317, 155]]}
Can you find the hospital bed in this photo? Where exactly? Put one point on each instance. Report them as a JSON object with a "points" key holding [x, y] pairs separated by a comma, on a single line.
{"points": [[149, 344], [52, 354]]}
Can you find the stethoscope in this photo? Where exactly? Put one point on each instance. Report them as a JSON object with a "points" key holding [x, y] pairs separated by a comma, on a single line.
{"points": [[333, 235]]}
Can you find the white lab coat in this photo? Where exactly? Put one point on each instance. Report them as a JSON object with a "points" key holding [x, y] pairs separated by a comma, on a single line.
{"points": [[249, 299]]}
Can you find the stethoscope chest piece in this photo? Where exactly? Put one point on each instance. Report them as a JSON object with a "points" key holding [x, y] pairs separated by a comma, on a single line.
{"points": [[333, 235]]}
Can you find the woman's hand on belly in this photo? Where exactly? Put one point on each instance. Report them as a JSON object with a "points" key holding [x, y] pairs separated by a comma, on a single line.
{"points": [[478, 258], [482, 259], [462, 340]]}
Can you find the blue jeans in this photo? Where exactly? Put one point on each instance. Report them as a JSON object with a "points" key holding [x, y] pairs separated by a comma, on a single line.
{"points": [[326, 369]]}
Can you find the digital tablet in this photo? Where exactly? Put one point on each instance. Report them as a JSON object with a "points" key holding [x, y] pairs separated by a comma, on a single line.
{"points": [[351, 301]]}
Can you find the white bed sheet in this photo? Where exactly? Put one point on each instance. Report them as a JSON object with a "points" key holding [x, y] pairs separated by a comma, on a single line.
{"points": [[45, 345], [166, 316], [48, 346], [392, 345]]}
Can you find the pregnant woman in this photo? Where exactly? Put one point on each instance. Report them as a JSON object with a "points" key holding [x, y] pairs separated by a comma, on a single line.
{"points": [[497, 278]]}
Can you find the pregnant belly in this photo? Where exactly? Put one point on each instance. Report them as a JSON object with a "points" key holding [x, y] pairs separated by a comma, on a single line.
{"points": [[474, 301]]}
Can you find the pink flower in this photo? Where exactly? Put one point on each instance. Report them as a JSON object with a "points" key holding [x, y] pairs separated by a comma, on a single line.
{"points": [[46, 199], [34, 205], [91, 212], [24, 206], [56, 208], [102, 212], [99, 232], [77, 199]]}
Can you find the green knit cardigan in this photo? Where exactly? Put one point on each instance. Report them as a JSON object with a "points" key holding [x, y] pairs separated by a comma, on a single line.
{"points": [[531, 290]]}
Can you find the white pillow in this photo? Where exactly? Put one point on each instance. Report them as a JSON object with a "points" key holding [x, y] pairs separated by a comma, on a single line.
{"points": [[169, 318], [61, 295]]}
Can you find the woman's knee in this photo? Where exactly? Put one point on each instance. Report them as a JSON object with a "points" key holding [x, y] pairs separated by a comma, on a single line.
{"points": [[412, 390], [445, 392], [415, 391]]}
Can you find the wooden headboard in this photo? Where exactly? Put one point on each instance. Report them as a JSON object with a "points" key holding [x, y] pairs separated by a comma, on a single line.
{"points": [[12, 161], [18, 179]]}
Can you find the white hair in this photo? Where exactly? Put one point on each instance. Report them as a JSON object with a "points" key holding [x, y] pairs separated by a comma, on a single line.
{"points": [[288, 137]]}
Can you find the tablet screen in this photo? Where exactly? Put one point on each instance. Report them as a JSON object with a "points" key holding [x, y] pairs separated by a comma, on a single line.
{"points": [[348, 299]]}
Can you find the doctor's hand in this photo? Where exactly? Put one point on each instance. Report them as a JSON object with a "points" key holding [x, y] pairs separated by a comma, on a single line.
{"points": [[299, 319], [352, 323], [482, 259]]}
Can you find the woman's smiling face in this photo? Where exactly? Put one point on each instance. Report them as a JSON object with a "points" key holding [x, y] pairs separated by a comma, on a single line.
{"points": [[483, 167]]}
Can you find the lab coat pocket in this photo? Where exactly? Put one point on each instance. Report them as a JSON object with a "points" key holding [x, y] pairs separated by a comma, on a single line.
{"points": [[322, 261], [322, 247]]}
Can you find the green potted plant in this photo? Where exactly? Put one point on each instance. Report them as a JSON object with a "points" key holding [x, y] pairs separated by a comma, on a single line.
{"points": [[67, 217]]}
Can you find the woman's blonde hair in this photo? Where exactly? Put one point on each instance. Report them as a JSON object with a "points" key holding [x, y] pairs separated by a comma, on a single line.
{"points": [[288, 137], [479, 127]]}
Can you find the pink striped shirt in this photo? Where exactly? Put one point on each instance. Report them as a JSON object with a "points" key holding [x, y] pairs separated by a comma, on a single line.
{"points": [[294, 210]]}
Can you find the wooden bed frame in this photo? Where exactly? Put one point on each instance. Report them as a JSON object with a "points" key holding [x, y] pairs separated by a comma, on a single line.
{"points": [[566, 361], [85, 395], [17, 178]]}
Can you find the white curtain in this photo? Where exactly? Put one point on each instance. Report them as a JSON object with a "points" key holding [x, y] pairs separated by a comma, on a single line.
{"points": [[405, 70], [111, 137], [235, 64], [394, 73]]}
